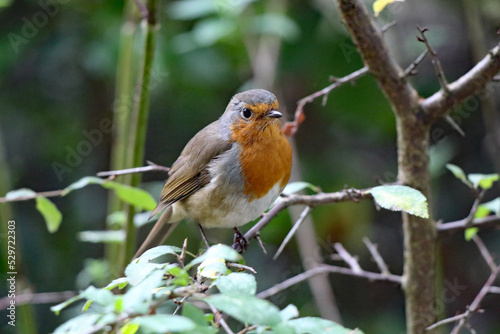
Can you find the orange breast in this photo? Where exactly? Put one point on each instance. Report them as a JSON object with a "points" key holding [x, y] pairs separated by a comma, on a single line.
{"points": [[266, 156]]}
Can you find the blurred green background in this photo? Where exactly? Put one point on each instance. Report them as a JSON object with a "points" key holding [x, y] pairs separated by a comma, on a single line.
{"points": [[58, 62]]}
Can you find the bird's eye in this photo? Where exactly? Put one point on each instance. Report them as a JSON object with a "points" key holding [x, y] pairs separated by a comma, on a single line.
{"points": [[246, 113]]}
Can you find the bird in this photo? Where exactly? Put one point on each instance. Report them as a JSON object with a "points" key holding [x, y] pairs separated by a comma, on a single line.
{"points": [[230, 172]]}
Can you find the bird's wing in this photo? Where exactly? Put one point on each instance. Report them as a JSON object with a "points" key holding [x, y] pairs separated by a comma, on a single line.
{"points": [[189, 172]]}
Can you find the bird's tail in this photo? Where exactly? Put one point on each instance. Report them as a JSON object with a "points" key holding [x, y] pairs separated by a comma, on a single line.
{"points": [[159, 233]]}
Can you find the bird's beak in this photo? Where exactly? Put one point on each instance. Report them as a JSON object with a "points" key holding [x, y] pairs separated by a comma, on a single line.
{"points": [[274, 114]]}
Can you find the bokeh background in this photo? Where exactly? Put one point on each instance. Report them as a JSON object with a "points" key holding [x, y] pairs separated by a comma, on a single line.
{"points": [[58, 76]]}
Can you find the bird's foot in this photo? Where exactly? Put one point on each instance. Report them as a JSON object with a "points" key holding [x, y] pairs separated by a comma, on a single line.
{"points": [[239, 239]]}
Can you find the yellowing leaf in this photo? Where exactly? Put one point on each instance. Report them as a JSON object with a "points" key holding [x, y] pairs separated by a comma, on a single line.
{"points": [[379, 5]]}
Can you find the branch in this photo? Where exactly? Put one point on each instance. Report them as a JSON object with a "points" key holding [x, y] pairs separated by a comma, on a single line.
{"points": [[346, 195], [322, 269], [37, 298], [290, 128], [460, 225], [348, 258], [485, 253], [487, 287], [292, 231], [435, 60], [437, 105], [368, 39], [376, 256], [152, 167], [411, 70]]}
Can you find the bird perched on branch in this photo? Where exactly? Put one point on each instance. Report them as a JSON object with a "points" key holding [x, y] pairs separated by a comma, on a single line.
{"points": [[230, 172]]}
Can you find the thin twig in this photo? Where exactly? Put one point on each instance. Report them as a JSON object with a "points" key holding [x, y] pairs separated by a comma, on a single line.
{"points": [[475, 303], [435, 60], [248, 329], [376, 256], [485, 253], [221, 320], [182, 256], [346, 195], [37, 298], [411, 70], [462, 224], [261, 244], [292, 231], [475, 206], [322, 269], [348, 258], [487, 287], [241, 267], [152, 167], [388, 26], [494, 289], [290, 128], [447, 321]]}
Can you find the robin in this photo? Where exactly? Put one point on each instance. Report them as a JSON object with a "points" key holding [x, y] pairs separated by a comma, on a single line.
{"points": [[230, 172]]}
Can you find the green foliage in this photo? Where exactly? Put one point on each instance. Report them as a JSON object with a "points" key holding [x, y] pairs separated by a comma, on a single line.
{"points": [[50, 213], [474, 181], [53, 217], [401, 198], [147, 305], [295, 187]]}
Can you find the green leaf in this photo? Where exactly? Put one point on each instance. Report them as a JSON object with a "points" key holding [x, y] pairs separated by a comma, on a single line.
{"points": [[83, 182], [158, 251], [132, 195], [119, 282], [162, 323], [111, 236], [289, 312], [459, 174], [484, 181], [247, 309], [309, 325], [489, 207], [379, 5], [295, 187], [5, 3], [101, 296], [470, 232], [129, 328], [283, 328], [212, 268], [217, 252], [138, 298], [195, 314], [79, 324], [240, 284], [137, 272], [20, 193], [57, 308], [50, 213], [87, 304], [401, 198]]}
